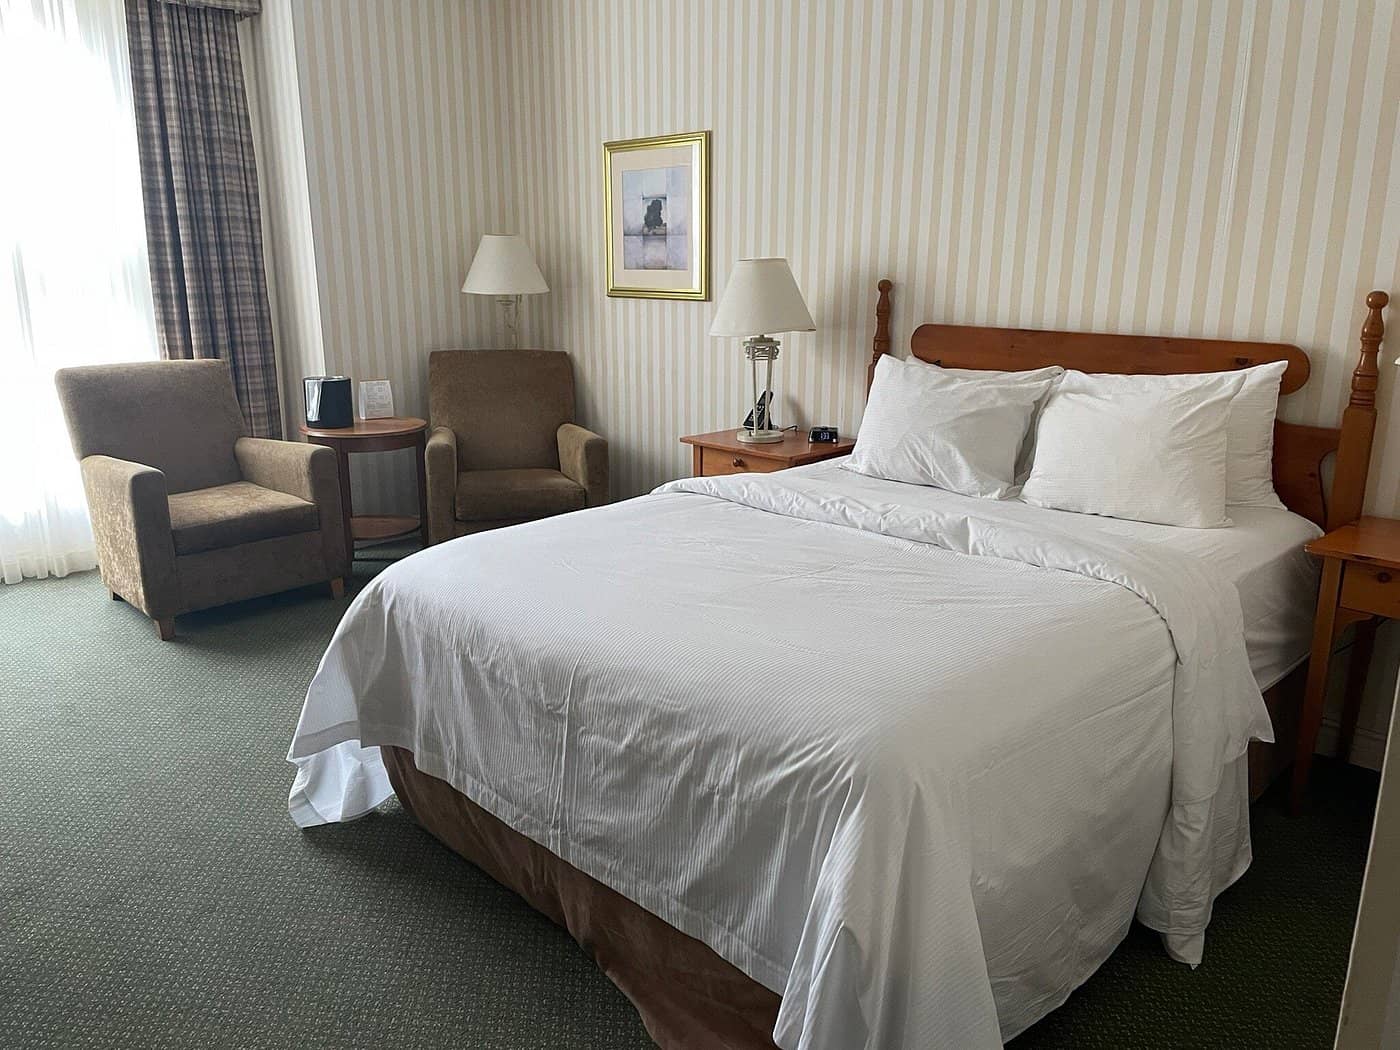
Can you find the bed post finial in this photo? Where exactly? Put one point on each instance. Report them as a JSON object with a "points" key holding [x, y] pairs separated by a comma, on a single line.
{"points": [[882, 330], [1358, 422], [1367, 375]]}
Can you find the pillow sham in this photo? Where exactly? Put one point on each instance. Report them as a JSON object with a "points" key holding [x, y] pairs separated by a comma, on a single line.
{"points": [[1249, 463], [924, 427], [1145, 448], [1030, 374], [1249, 470], [1026, 456]]}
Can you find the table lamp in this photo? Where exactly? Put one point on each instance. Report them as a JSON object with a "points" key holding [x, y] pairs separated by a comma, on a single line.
{"points": [[761, 298], [505, 268]]}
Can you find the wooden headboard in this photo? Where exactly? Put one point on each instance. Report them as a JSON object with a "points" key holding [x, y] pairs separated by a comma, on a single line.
{"points": [[1298, 450]]}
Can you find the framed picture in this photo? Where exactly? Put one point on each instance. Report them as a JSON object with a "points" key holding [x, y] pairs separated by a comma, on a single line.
{"points": [[658, 213]]}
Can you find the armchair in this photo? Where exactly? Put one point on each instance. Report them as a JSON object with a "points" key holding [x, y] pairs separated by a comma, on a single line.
{"points": [[502, 446], [187, 513]]}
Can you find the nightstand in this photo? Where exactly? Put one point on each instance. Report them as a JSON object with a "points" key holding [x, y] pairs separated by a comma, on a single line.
{"points": [[1360, 585], [723, 453]]}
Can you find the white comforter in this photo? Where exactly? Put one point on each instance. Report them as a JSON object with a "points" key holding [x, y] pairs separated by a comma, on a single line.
{"points": [[907, 758]]}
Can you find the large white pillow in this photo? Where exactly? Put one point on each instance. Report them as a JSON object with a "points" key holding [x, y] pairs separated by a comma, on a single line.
{"points": [[1249, 472], [1026, 456], [1031, 374], [1146, 448], [1249, 466], [925, 427]]}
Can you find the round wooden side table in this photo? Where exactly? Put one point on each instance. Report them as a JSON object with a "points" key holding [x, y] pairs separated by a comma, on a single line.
{"points": [[376, 435]]}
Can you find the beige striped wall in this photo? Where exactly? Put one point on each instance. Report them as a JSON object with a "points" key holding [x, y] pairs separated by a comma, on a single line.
{"points": [[403, 107], [1219, 167], [1212, 168]]}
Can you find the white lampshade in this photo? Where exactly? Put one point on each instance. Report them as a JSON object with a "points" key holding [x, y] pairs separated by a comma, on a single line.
{"points": [[760, 299], [504, 265]]}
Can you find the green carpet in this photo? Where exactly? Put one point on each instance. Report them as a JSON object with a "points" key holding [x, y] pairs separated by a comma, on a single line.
{"points": [[154, 893]]}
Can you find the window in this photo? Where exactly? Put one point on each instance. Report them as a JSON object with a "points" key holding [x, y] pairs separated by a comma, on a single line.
{"points": [[75, 288]]}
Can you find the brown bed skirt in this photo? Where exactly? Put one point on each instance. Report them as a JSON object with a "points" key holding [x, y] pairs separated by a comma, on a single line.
{"points": [[689, 998], [1285, 703]]}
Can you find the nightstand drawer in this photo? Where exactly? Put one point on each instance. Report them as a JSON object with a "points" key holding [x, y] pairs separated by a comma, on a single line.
{"points": [[1371, 588], [715, 461]]}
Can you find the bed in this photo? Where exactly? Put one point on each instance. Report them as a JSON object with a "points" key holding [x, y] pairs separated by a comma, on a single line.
{"points": [[911, 796]]}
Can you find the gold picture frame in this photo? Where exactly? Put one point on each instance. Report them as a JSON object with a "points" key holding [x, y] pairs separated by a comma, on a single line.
{"points": [[657, 211]]}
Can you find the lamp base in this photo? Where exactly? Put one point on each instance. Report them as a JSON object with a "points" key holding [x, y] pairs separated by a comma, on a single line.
{"points": [[759, 437], [510, 304], [760, 348]]}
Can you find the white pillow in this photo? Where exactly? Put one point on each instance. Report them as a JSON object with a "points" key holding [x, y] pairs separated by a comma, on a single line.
{"points": [[1249, 464], [1030, 374], [1146, 448], [924, 427], [1026, 456], [1249, 471]]}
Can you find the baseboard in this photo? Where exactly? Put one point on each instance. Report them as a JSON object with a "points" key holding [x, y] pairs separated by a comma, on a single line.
{"points": [[1367, 746]]}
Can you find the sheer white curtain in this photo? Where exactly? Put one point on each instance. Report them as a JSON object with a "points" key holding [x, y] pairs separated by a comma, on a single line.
{"points": [[75, 287]]}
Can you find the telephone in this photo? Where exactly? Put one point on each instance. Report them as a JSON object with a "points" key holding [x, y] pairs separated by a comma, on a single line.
{"points": [[758, 417]]}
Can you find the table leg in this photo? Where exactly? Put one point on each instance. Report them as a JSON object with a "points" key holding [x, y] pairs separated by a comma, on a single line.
{"points": [[1361, 651], [422, 452], [346, 508], [1315, 694], [697, 461]]}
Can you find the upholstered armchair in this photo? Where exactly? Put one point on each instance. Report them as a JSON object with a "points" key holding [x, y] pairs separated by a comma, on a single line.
{"points": [[186, 511], [503, 447]]}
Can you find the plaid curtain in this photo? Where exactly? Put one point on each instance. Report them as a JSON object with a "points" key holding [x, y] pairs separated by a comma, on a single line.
{"points": [[200, 186]]}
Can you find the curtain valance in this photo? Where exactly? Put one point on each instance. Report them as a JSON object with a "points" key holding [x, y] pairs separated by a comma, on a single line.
{"points": [[242, 8]]}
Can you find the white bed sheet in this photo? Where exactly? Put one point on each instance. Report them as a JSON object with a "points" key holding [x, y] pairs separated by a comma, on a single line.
{"points": [[923, 824], [1262, 555]]}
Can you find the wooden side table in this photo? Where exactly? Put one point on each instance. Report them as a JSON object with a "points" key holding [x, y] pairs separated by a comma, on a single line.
{"points": [[376, 435], [721, 452], [1360, 585]]}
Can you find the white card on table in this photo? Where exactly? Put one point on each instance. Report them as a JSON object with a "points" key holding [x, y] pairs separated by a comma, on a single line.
{"points": [[376, 399]]}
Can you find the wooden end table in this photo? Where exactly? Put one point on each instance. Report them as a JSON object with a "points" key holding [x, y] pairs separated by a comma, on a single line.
{"points": [[721, 452], [1360, 585], [376, 435]]}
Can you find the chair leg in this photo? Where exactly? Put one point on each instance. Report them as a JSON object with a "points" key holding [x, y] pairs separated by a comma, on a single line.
{"points": [[165, 627], [337, 585]]}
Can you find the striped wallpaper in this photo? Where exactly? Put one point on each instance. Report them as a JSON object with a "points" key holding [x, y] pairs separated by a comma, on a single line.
{"points": [[1218, 167], [1222, 168], [404, 110]]}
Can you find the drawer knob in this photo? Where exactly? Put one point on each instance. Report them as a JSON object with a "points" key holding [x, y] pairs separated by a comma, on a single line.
{"points": [[738, 462], [1382, 577]]}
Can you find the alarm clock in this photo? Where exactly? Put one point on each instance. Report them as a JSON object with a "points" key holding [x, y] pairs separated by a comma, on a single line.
{"points": [[823, 436]]}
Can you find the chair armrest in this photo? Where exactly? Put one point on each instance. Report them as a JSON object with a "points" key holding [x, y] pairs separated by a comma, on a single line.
{"points": [[293, 467], [307, 472], [130, 512], [583, 458], [440, 469]]}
